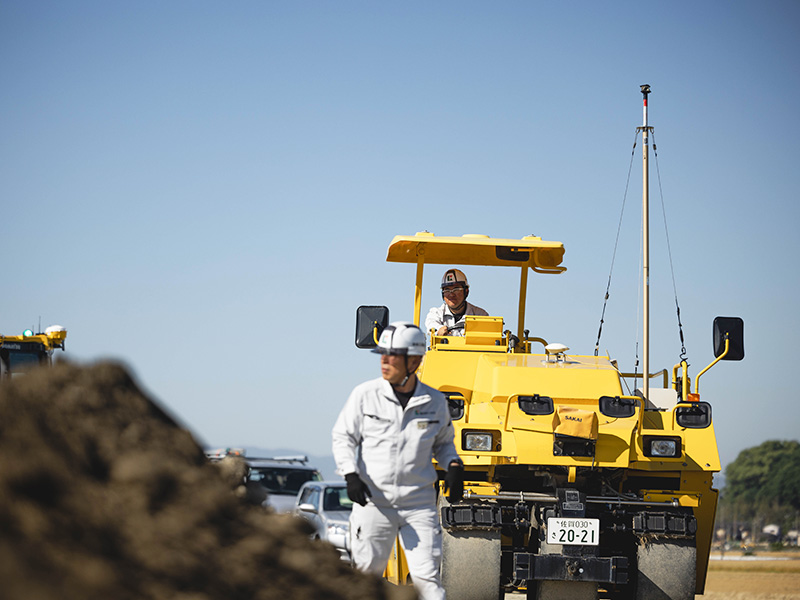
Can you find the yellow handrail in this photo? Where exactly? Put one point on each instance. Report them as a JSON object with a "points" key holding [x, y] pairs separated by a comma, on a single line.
{"points": [[685, 381], [529, 340]]}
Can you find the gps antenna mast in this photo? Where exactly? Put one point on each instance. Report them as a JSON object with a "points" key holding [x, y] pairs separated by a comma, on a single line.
{"points": [[646, 130]]}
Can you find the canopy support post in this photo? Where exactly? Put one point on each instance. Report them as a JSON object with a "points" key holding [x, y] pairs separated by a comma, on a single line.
{"points": [[418, 289], [523, 292]]}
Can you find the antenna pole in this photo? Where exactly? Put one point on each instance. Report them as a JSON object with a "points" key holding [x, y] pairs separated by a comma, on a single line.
{"points": [[645, 247]]}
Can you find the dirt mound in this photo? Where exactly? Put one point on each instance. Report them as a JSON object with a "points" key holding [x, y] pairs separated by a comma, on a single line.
{"points": [[103, 495]]}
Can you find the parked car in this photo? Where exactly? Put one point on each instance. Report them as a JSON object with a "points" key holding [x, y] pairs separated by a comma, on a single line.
{"points": [[282, 478], [326, 506], [277, 479]]}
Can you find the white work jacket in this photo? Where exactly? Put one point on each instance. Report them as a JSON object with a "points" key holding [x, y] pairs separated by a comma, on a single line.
{"points": [[391, 448], [441, 315]]}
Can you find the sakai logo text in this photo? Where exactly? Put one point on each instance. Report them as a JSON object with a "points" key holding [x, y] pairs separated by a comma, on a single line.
{"points": [[571, 418]]}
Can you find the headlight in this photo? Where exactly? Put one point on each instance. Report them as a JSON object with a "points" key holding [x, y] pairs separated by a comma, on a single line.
{"points": [[662, 447], [337, 529], [477, 441]]}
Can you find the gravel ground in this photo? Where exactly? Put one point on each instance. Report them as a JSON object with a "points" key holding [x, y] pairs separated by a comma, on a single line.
{"points": [[769, 576]]}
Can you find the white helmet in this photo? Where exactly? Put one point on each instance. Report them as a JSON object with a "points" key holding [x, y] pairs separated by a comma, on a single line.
{"points": [[454, 277], [403, 338]]}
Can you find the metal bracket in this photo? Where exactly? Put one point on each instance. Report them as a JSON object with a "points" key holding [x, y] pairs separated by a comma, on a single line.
{"points": [[554, 567], [564, 445], [471, 516]]}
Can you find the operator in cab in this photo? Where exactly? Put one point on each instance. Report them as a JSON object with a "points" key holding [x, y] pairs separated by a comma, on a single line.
{"points": [[448, 319], [384, 441]]}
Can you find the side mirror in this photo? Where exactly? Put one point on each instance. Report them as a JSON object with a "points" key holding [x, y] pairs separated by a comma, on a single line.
{"points": [[733, 328], [368, 319], [305, 507]]}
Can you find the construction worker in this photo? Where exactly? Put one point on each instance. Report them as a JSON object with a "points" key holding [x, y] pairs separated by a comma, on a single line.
{"points": [[448, 319], [383, 442]]}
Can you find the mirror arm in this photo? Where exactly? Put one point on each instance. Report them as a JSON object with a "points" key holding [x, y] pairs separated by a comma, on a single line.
{"points": [[716, 360]]}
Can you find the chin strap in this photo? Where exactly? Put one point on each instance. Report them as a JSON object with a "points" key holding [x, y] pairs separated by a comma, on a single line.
{"points": [[408, 373]]}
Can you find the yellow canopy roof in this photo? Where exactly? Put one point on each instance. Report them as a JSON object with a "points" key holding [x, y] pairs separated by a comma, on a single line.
{"points": [[540, 255]]}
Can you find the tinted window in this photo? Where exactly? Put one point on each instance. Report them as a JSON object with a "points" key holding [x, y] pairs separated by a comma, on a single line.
{"points": [[282, 480], [336, 499], [21, 362]]}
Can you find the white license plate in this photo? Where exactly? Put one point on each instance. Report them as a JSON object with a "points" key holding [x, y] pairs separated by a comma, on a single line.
{"points": [[583, 532]]}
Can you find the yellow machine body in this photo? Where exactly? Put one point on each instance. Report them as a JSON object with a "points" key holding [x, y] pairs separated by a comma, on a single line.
{"points": [[534, 422], [20, 353]]}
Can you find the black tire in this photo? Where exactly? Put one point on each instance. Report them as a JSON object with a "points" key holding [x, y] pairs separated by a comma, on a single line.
{"points": [[667, 570], [530, 591], [471, 563]]}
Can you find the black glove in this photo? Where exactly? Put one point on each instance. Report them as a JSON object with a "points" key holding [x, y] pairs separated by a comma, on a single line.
{"points": [[357, 490], [454, 481]]}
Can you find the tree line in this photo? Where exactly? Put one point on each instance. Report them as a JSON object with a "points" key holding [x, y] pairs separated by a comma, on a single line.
{"points": [[762, 487]]}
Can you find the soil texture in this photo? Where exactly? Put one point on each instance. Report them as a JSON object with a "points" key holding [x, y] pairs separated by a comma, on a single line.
{"points": [[103, 495]]}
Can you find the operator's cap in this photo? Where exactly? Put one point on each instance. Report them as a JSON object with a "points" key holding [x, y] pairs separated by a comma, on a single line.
{"points": [[402, 337], [454, 277]]}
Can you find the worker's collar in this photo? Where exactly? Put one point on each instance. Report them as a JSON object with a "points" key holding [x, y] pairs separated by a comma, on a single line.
{"points": [[388, 390]]}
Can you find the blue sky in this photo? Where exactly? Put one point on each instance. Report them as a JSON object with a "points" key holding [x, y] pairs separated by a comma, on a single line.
{"points": [[205, 191]]}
